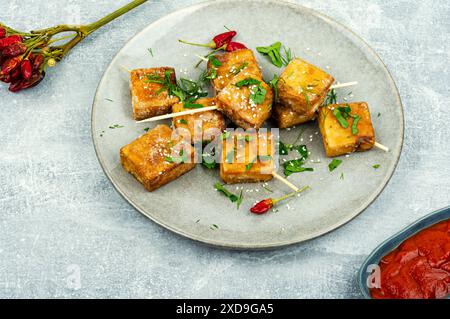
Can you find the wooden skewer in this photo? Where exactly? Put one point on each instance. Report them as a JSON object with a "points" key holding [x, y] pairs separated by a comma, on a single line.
{"points": [[285, 181], [170, 115], [343, 85], [381, 147], [212, 108]]}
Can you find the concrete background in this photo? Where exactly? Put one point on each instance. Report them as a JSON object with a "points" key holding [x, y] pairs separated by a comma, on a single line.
{"points": [[66, 233]]}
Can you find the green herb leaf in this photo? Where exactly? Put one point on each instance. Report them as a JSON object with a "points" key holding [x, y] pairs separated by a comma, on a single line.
{"points": [[183, 121], [208, 160], [247, 82], [232, 197], [109, 100], [331, 98], [376, 166], [334, 164], [283, 149], [213, 59], [116, 126], [274, 85], [146, 129], [273, 52], [250, 165], [258, 94], [288, 56], [356, 119], [295, 166], [239, 68], [240, 199], [150, 51], [302, 150], [342, 176], [340, 118], [225, 135]]}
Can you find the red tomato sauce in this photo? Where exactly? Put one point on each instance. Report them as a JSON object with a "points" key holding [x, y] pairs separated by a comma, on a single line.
{"points": [[419, 268]]}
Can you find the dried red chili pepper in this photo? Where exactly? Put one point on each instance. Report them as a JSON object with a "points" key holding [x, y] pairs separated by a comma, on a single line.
{"points": [[16, 74], [265, 205], [38, 60], [219, 41], [14, 49], [5, 78], [35, 79], [233, 46], [5, 42], [2, 32], [26, 69], [11, 64]]}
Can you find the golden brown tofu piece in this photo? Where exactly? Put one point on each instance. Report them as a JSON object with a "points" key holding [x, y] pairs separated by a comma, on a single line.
{"points": [[338, 140], [204, 126], [238, 103], [285, 117], [150, 158], [247, 158], [231, 64], [303, 87], [150, 99]]}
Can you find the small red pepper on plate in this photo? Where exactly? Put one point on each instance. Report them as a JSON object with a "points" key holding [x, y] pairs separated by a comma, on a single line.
{"points": [[219, 41], [234, 46], [2, 32], [267, 204]]}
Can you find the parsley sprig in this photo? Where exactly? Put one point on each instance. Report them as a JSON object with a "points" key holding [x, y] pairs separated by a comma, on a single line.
{"points": [[232, 197], [342, 114], [258, 92], [273, 51]]}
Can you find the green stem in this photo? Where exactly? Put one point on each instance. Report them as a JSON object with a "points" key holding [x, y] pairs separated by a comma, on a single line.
{"points": [[98, 24], [276, 200], [209, 45]]}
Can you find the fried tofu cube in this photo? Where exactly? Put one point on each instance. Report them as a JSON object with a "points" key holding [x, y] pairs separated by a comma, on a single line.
{"points": [[247, 158], [151, 160], [286, 117], [230, 64], [150, 99], [338, 140], [238, 103], [303, 87], [203, 126]]}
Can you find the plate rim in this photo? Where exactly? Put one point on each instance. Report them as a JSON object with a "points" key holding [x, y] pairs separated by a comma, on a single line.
{"points": [[244, 246]]}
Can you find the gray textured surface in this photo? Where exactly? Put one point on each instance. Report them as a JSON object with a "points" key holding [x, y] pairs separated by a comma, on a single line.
{"points": [[61, 218]]}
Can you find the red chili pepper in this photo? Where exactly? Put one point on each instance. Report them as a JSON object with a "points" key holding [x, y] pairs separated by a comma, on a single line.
{"points": [[14, 49], [16, 74], [265, 205], [262, 207], [2, 32], [5, 42], [5, 78], [11, 64], [234, 46], [38, 60], [26, 69], [223, 39], [26, 84], [219, 41]]}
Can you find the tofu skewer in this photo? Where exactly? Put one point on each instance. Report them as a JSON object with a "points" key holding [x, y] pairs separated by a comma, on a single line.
{"points": [[212, 108]]}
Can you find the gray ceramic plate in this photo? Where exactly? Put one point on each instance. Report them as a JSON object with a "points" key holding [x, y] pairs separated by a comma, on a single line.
{"points": [[190, 206]]}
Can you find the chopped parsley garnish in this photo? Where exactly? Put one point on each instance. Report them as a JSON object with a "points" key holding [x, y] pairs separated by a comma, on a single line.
{"points": [[192, 105], [342, 176], [340, 117], [379, 114], [248, 138], [356, 119], [334, 164], [183, 121], [267, 188], [240, 199], [214, 62], [342, 114], [150, 50], [376, 166], [258, 93], [146, 129], [331, 98], [181, 159], [208, 160], [239, 68], [250, 165], [274, 85], [214, 227], [115, 126], [273, 52], [109, 100], [295, 166], [225, 135], [232, 197]]}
